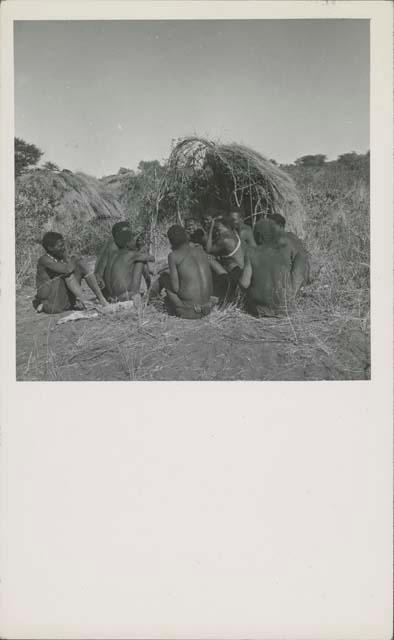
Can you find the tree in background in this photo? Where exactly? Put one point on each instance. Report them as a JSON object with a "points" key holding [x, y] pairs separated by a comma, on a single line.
{"points": [[26, 156], [51, 166], [352, 160], [317, 160]]}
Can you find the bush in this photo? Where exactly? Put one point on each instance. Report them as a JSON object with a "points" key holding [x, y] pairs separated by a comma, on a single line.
{"points": [[336, 202]]}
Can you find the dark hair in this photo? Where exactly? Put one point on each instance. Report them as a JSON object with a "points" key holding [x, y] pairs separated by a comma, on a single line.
{"points": [[198, 236], [119, 226], [277, 218], [266, 232], [224, 220], [177, 236], [122, 236], [50, 238]]}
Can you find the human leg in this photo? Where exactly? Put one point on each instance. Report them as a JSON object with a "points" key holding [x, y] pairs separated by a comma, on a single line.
{"points": [[82, 271], [187, 309], [146, 275], [137, 271], [299, 273], [54, 297]]}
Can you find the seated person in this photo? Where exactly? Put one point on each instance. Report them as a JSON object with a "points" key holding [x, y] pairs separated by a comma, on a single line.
{"points": [[108, 254], [109, 250], [59, 278], [225, 243], [243, 230], [125, 269], [301, 264], [267, 281], [206, 221], [195, 234], [188, 283]]}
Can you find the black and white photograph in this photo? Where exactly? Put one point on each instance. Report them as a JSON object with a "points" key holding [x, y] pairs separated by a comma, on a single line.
{"points": [[196, 192], [192, 200]]}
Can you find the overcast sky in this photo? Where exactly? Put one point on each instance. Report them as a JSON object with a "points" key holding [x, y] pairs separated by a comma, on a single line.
{"points": [[97, 96]]}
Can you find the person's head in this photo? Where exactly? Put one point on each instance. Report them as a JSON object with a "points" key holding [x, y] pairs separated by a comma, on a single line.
{"points": [[190, 226], [222, 224], [119, 226], [206, 220], [198, 237], [266, 232], [123, 237], [277, 219], [235, 219], [139, 240], [177, 236], [53, 244]]}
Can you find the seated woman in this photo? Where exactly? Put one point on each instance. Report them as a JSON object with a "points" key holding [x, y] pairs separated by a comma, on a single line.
{"points": [[225, 243], [188, 283], [59, 279], [243, 230]]}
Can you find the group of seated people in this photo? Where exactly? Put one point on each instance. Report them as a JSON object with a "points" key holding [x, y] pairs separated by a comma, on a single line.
{"points": [[220, 259]]}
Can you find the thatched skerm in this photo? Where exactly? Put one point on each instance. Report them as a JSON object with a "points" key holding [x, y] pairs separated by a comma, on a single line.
{"points": [[204, 176], [64, 198]]}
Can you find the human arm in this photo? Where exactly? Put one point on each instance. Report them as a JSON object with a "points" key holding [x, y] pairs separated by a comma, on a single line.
{"points": [[248, 237], [217, 248], [143, 256], [174, 278], [209, 246], [247, 272], [102, 260], [62, 268]]}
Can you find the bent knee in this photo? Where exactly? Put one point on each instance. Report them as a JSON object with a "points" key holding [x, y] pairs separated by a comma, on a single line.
{"points": [[83, 268]]}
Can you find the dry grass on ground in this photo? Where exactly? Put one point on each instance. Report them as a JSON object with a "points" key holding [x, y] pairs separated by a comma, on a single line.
{"points": [[227, 345]]}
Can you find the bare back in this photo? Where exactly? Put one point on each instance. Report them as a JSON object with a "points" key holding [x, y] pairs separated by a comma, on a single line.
{"points": [[194, 274], [270, 285], [119, 275]]}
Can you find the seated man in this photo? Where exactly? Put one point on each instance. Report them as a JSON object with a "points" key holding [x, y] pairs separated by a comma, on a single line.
{"points": [[125, 269], [243, 230], [59, 279], [300, 264], [108, 254], [109, 250], [188, 283]]}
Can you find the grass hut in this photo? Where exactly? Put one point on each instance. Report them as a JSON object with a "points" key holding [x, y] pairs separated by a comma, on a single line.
{"points": [[205, 176], [76, 205]]}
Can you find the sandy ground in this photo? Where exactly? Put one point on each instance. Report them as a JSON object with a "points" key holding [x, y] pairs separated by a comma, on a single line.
{"points": [[227, 345]]}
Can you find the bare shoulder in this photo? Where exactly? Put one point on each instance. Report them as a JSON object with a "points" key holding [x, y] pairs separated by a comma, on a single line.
{"points": [[198, 250], [45, 260], [246, 229]]}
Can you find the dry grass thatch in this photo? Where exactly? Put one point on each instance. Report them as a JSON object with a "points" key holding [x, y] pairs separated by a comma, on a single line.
{"points": [[76, 205], [231, 175], [66, 196]]}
